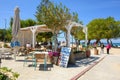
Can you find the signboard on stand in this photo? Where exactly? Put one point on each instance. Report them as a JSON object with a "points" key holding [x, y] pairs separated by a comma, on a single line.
{"points": [[64, 58]]}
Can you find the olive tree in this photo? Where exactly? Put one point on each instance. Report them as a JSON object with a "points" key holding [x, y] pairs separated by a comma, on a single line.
{"points": [[55, 16]]}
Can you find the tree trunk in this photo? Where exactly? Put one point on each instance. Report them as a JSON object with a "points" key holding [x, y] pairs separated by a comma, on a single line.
{"points": [[79, 42], [111, 43], [97, 41], [76, 42], [88, 42], [108, 41], [100, 42], [66, 38], [55, 42]]}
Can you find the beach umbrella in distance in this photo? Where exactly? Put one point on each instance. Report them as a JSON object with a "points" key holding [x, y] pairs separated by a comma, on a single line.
{"points": [[15, 26]]}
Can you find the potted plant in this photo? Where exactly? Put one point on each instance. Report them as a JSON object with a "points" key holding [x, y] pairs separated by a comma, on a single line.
{"points": [[95, 51], [87, 51]]}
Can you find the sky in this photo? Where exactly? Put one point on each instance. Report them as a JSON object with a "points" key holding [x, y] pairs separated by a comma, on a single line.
{"points": [[87, 9]]}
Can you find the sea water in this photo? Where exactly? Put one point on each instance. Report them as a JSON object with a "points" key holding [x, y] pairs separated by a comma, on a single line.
{"points": [[114, 44]]}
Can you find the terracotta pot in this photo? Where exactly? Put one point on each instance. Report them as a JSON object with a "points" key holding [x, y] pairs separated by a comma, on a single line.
{"points": [[96, 51], [88, 53]]}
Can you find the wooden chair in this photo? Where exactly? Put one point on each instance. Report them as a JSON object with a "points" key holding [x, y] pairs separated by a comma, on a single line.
{"points": [[42, 59], [29, 58]]}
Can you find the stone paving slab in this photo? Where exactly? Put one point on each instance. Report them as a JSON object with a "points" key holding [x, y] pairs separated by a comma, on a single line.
{"points": [[56, 73], [107, 69]]}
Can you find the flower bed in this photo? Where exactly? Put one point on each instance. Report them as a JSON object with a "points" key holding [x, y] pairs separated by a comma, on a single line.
{"points": [[54, 57]]}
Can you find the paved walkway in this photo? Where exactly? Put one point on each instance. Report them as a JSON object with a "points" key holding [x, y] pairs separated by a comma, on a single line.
{"points": [[56, 73], [107, 69]]}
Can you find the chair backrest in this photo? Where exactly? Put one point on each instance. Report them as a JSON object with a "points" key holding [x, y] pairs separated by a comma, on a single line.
{"points": [[40, 56]]}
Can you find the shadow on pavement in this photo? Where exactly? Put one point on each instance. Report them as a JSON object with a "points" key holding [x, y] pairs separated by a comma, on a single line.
{"points": [[83, 62]]}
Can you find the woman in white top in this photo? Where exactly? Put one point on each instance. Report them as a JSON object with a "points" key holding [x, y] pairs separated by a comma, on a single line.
{"points": [[28, 45]]}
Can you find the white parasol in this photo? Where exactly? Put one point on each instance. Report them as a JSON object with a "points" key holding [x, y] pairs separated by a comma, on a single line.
{"points": [[16, 24]]}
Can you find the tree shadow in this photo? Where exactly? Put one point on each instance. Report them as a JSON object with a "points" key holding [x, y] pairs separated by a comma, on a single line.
{"points": [[20, 60], [47, 68], [7, 58], [83, 62], [30, 63]]}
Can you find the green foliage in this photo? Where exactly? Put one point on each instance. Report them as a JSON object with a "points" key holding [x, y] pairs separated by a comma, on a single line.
{"points": [[11, 21], [3, 77], [24, 23], [47, 36], [27, 23], [103, 28], [55, 16], [2, 34], [80, 35], [96, 29], [7, 34], [5, 45], [8, 74], [77, 52]]}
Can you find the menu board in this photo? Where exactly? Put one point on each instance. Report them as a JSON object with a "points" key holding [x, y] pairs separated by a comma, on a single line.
{"points": [[64, 57]]}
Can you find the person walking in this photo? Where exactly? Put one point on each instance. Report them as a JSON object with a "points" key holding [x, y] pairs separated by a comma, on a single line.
{"points": [[108, 48], [102, 48]]}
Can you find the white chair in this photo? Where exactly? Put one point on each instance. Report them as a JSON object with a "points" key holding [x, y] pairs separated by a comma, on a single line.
{"points": [[15, 51], [5, 52]]}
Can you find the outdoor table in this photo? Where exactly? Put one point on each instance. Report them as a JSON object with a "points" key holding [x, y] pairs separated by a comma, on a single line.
{"points": [[5, 51], [39, 52], [38, 49]]}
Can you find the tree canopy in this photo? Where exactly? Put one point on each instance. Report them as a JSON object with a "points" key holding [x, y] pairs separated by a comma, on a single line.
{"points": [[55, 16], [103, 28]]}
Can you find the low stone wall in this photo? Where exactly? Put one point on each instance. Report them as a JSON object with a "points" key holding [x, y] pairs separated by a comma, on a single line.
{"points": [[76, 55], [80, 55]]}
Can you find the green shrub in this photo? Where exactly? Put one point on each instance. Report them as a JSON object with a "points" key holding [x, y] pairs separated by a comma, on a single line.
{"points": [[6, 45], [7, 74]]}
